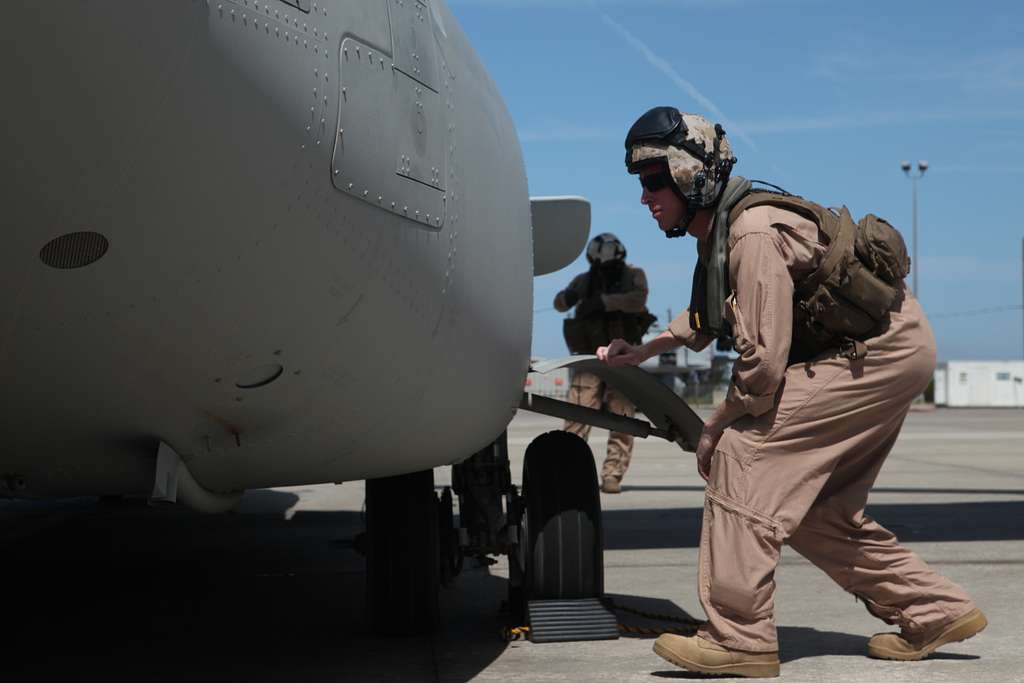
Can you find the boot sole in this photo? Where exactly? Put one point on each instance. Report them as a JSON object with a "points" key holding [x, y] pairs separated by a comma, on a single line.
{"points": [[971, 624], [751, 670]]}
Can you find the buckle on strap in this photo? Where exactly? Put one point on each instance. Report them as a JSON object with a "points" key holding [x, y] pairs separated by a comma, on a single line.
{"points": [[853, 349]]}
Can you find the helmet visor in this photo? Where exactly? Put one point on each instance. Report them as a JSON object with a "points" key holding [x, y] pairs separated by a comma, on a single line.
{"points": [[653, 182], [660, 124]]}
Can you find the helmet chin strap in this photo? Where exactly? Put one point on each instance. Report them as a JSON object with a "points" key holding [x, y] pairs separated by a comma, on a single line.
{"points": [[683, 228]]}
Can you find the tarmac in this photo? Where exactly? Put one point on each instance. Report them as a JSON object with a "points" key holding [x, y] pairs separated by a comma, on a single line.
{"points": [[100, 590]]}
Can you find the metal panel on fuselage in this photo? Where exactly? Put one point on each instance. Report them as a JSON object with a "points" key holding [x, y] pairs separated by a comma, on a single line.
{"points": [[198, 139], [392, 133]]}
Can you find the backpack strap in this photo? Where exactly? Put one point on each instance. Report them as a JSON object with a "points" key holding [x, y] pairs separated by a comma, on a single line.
{"points": [[840, 247], [840, 230], [790, 202]]}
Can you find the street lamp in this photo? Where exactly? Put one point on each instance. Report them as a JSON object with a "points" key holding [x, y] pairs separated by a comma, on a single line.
{"points": [[922, 166]]}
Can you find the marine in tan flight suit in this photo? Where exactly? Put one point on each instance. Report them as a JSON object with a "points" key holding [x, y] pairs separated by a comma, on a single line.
{"points": [[792, 453], [610, 300]]}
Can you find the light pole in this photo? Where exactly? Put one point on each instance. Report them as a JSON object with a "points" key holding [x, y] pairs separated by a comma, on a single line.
{"points": [[922, 166]]}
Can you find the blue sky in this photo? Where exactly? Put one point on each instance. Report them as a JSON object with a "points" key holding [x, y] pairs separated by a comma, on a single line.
{"points": [[823, 98]]}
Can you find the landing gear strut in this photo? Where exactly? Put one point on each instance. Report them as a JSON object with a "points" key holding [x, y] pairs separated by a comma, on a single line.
{"points": [[403, 565]]}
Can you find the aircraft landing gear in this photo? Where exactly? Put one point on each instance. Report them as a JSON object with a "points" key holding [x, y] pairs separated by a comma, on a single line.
{"points": [[562, 541], [551, 534], [403, 563], [561, 551]]}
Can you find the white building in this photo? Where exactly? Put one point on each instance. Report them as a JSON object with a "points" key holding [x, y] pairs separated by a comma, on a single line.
{"points": [[980, 384]]}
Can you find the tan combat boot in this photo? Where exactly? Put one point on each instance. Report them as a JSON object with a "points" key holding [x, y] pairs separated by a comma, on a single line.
{"points": [[697, 654], [611, 485], [912, 647]]}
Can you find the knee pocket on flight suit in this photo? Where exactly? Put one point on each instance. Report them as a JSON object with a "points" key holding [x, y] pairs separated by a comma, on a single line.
{"points": [[729, 468], [742, 550]]}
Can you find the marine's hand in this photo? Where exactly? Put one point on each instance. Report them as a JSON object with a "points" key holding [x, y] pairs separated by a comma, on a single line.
{"points": [[570, 296], [620, 352], [705, 451]]}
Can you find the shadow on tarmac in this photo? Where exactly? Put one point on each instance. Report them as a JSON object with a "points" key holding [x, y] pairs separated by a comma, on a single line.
{"points": [[912, 523], [118, 591]]}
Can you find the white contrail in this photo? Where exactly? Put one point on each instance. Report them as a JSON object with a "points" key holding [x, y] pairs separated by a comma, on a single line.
{"points": [[687, 87]]}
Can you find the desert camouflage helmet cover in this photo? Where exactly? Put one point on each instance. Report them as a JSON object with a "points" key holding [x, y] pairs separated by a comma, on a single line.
{"points": [[687, 142]]}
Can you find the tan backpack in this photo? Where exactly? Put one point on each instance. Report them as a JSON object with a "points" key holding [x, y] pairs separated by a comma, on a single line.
{"points": [[848, 298]]}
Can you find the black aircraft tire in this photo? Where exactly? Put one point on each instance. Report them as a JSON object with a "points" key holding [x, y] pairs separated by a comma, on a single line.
{"points": [[564, 553], [403, 561]]}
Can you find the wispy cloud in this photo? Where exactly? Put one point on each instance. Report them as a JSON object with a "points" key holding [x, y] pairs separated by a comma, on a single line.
{"points": [[874, 119], [686, 86], [996, 71]]}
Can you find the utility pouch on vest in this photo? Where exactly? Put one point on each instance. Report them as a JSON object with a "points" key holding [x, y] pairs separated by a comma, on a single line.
{"points": [[629, 326], [584, 335], [577, 336], [827, 309], [881, 248], [842, 295], [852, 291], [616, 327]]}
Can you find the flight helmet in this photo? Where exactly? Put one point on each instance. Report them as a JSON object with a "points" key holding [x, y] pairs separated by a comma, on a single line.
{"points": [[605, 249], [696, 152]]}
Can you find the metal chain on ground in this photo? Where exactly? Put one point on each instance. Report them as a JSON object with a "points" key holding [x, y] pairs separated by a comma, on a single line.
{"points": [[687, 620], [513, 633]]}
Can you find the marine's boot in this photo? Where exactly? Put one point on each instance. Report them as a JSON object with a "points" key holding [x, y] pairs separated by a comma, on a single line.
{"points": [[697, 654], [611, 485], [911, 647]]}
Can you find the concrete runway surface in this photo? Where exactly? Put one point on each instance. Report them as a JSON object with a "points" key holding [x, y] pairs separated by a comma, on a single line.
{"points": [[275, 592]]}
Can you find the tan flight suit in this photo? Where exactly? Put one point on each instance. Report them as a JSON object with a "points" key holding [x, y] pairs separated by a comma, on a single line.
{"points": [[803, 447], [588, 390]]}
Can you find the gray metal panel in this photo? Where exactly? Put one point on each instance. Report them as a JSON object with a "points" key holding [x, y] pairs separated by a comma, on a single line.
{"points": [[560, 229], [413, 35], [390, 145], [421, 134], [303, 5], [663, 408]]}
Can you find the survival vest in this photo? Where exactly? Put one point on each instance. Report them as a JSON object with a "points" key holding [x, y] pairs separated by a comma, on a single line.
{"points": [[584, 335], [842, 303]]}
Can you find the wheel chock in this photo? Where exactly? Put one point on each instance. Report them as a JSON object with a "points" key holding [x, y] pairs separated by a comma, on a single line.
{"points": [[559, 621]]}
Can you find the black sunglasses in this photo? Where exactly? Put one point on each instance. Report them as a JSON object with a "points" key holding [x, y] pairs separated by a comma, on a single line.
{"points": [[656, 181]]}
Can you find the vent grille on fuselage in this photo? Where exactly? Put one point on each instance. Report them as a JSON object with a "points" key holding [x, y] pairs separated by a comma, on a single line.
{"points": [[74, 250]]}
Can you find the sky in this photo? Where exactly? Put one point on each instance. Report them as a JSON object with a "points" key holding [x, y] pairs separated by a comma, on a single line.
{"points": [[825, 99]]}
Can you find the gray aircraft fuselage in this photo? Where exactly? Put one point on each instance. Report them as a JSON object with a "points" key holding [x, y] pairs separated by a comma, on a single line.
{"points": [[304, 250]]}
